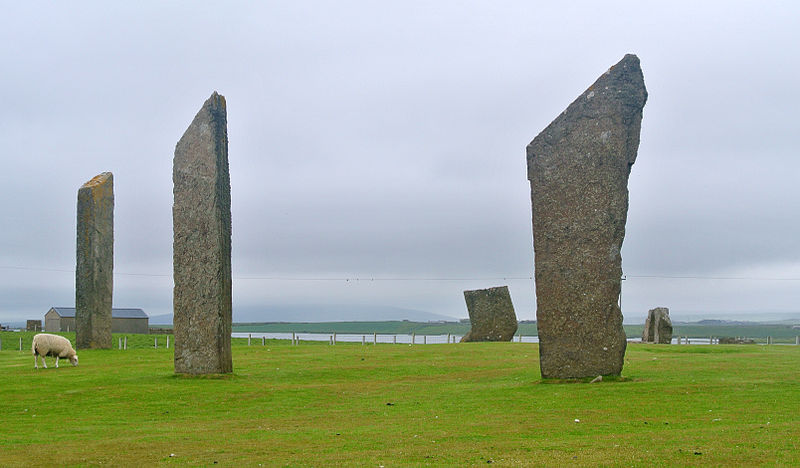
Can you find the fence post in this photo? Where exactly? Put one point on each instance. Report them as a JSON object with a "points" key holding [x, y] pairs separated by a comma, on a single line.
{"points": [[167, 341], [155, 342], [413, 338], [1, 345], [334, 338], [797, 340], [125, 343], [120, 342], [448, 338], [394, 340], [331, 340], [249, 337], [375, 338], [20, 343], [769, 341], [363, 340]]}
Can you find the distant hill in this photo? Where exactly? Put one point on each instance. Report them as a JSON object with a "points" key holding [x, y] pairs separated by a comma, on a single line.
{"points": [[321, 313]]}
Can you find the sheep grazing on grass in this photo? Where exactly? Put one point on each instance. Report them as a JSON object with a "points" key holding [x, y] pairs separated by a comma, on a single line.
{"points": [[45, 344]]}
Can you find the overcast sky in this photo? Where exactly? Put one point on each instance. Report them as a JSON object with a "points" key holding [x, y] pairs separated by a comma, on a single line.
{"points": [[387, 140]]}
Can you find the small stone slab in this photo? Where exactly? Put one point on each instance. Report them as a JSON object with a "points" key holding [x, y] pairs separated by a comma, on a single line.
{"points": [[657, 327], [491, 315]]}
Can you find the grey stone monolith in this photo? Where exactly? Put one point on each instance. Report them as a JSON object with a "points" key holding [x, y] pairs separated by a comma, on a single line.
{"points": [[201, 217], [578, 168], [491, 314], [657, 326], [94, 271]]}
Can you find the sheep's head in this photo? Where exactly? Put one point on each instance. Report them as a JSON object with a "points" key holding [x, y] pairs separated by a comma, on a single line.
{"points": [[74, 360]]}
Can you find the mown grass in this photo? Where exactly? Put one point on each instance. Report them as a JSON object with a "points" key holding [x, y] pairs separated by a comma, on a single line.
{"points": [[391, 405]]}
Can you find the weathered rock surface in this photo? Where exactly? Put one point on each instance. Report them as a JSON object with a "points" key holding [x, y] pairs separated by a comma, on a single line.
{"points": [[491, 314], [94, 272], [202, 244], [657, 327], [578, 168]]}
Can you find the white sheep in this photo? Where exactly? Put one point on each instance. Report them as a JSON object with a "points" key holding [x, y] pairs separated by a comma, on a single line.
{"points": [[45, 344]]}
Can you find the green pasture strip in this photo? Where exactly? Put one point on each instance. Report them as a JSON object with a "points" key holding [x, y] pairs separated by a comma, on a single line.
{"points": [[398, 327], [400, 405], [758, 332]]}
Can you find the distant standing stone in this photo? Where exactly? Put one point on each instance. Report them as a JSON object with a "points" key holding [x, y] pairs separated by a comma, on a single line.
{"points": [[657, 327], [94, 271], [202, 244], [491, 314], [578, 168]]}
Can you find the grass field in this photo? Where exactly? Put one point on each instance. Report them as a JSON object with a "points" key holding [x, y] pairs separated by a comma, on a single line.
{"points": [[393, 405], [757, 331]]}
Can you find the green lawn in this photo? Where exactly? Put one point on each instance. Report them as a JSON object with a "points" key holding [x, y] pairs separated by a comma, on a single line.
{"points": [[390, 405]]}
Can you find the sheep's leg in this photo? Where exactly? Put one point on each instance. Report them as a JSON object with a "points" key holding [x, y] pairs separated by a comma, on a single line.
{"points": [[56, 361], [44, 361], [35, 361]]}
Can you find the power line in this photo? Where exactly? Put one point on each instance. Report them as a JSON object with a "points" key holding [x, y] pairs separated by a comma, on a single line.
{"points": [[413, 278], [300, 278], [731, 278]]}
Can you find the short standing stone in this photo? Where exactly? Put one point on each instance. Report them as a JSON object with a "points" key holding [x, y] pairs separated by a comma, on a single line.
{"points": [[657, 327], [94, 272], [578, 168], [491, 314], [202, 244]]}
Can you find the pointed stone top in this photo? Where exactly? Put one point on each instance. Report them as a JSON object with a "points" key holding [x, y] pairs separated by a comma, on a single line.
{"points": [[99, 179], [617, 96], [216, 101]]}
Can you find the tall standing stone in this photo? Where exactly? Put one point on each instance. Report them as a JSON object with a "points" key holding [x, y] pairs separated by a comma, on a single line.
{"points": [[657, 326], [578, 168], [201, 217], [491, 314], [94, 272]]}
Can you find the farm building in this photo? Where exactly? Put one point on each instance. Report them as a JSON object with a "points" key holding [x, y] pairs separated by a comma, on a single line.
{"points": [[62, 319]]}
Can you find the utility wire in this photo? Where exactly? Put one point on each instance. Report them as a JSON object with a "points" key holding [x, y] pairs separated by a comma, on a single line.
{"points": [[412, 278]]}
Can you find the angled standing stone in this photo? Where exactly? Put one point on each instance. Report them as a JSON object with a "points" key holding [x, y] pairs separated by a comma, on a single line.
{"points": [[657, 327], [578, 168], [491, 315], [94, 272], [201, 217]]}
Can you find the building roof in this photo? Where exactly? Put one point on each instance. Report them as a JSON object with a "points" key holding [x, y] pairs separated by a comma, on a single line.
{"points": [[115, 312]]}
